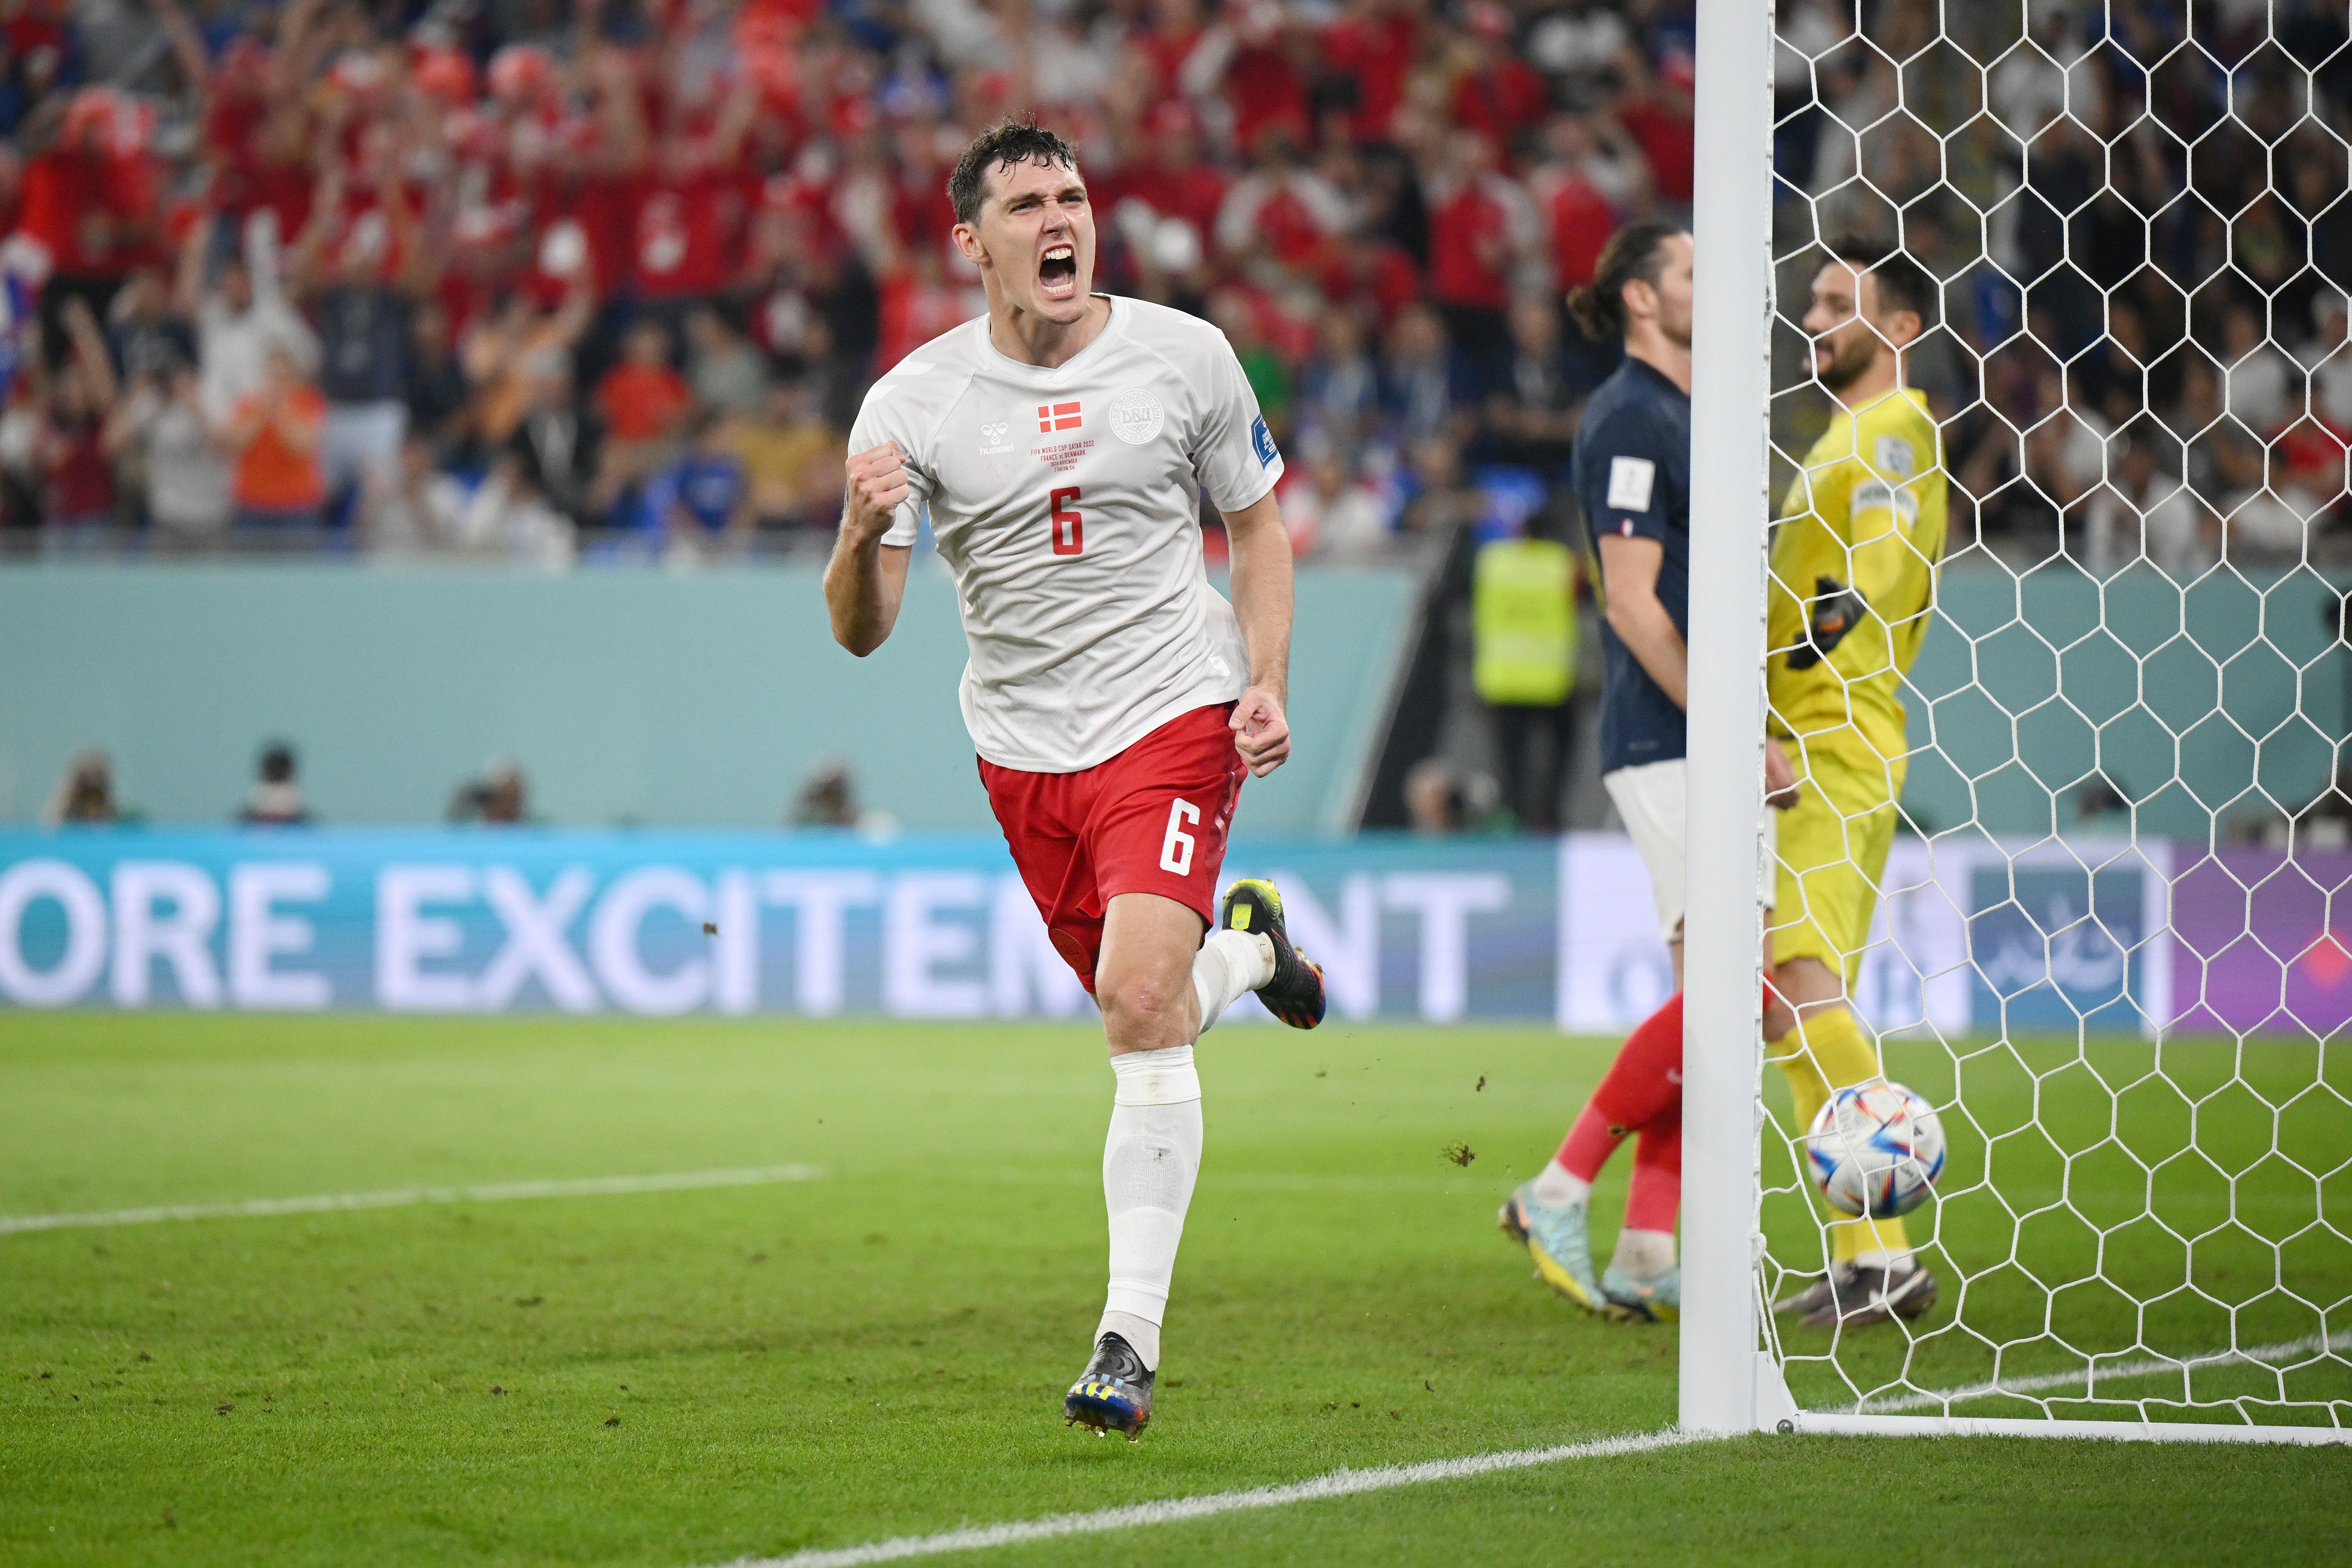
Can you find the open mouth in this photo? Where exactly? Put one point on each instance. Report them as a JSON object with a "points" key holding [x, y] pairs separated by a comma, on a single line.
{"points": [[1058, 272]]}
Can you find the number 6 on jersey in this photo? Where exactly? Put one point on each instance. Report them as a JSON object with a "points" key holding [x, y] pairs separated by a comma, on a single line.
{"points": [[1176, 849], [1065, 515]]}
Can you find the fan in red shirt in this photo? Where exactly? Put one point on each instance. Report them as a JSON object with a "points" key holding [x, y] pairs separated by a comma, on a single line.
{"points": [[1481, 224], [1577, 215], [1167, 174], [1655, 110], [1373, 48], [643, 405], [91, 197], [1501, 95], [1264, 80], [690, 215]]}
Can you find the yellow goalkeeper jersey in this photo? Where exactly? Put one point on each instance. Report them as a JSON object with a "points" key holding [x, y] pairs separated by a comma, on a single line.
{"points": [[1866, 512]]}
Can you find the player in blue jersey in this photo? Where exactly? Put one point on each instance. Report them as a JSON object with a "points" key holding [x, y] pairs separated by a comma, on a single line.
{"points": [[1632, 481]]}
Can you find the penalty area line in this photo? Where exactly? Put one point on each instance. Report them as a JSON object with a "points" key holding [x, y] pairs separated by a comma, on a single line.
{"points": [[403, 1198], [1176, 1510]]}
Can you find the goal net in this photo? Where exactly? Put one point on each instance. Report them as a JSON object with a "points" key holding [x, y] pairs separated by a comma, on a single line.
{"points": [[2090, 893]]}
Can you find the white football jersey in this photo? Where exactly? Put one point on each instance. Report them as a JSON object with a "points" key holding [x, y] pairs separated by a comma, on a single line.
{"points": [[1065, 503]]}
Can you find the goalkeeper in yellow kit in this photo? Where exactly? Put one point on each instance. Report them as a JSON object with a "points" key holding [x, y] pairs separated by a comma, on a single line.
{"points": [[1852, 587]]}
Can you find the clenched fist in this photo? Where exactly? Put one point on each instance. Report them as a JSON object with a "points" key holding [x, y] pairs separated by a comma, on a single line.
{"points": [[878, 484]]}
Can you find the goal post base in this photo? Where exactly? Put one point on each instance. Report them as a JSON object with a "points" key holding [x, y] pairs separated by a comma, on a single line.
{"points": [[1831, 1424]]}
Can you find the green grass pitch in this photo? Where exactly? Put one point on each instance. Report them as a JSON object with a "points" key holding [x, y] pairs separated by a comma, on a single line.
{"points": [[682, 1378]]}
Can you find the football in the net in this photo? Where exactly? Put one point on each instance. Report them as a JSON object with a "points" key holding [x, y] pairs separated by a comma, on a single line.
{"points": [[1875, 1149]]}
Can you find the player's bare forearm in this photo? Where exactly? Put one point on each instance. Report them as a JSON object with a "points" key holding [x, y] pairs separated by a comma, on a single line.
{"points": [[1629, 580], [1262, 603], [1657, 644], [865, 579]]}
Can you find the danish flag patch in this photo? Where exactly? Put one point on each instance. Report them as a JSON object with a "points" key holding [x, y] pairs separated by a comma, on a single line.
{"points": [[1057, 416]]}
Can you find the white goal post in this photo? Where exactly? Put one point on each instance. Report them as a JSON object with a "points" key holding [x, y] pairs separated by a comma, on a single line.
{"points": [[2216, 1305]]}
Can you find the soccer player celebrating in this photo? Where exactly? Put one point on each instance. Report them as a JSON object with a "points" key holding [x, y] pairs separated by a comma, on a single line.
{"points": [[1059, 445], [1632, 479], [1853, 585]]}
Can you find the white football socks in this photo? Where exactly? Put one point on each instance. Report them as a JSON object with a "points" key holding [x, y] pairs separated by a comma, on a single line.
{"points": [[1229, 963], [1555, 1189], [1149, 1160], [1645, 1254]]}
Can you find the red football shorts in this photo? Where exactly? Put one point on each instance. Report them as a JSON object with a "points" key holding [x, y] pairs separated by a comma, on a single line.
{"points": [[1153, 819]]}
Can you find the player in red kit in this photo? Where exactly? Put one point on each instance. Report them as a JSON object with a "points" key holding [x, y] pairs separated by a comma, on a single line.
{"points": [[1058, 445]]}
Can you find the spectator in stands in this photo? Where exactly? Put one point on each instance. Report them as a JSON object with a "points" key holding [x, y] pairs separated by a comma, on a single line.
{"points": [[85, 793], [241, 316], [791, 461], [275, 432], [1331, 514], [1339, 391], [425, 510], [1419, 385], [502, 795], [1531, 412], [1484, 235], [2326, 358], [728, 374], [78, 498], [512, 516], [645, 405], [143, 336], [700, 505], [359, 278], [2256, 377], [276, 798], [160, 430], [2143, 511], [829, 799], [436, 391]]}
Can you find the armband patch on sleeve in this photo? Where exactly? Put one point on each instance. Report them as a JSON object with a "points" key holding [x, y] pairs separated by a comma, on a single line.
{"points": [[1872, 494], [1631, 479]]}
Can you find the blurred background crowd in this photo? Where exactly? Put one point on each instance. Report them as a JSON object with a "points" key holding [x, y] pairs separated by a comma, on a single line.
{"points": [[534, 277], [604, 280], [544, 278]]}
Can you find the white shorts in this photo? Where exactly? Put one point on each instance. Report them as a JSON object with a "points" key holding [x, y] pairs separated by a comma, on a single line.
{"points": [[361, 443], [1653, 801]]}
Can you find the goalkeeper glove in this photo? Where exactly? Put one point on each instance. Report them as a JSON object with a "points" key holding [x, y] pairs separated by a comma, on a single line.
{"points": [[1837, 610]]}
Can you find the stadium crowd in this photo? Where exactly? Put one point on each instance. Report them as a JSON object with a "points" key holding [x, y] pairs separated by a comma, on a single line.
{"points": [[532, 278], [538, 277]]}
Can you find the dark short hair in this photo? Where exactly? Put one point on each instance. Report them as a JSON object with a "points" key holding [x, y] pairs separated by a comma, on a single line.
{"points": [[1001, 146], [1637, 250], [1903, 283]]}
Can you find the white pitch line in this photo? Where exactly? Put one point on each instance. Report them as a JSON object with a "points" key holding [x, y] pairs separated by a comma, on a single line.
{"points": [[401, 1198], [1174, 1511], [2152, 1367]]}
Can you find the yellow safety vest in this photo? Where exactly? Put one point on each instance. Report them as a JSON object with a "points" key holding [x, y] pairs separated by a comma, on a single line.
{"points": [[1523, 622]]}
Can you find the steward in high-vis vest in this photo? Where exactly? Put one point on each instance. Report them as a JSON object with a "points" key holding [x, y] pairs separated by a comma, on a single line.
{"points": [[1524, 642]]}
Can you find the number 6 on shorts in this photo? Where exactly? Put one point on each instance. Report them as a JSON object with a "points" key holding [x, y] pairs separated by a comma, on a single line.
{"points": [[1176, 849]]}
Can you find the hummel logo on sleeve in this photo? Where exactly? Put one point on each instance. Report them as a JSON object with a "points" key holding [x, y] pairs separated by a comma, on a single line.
{"points": [[1057, 416]]}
